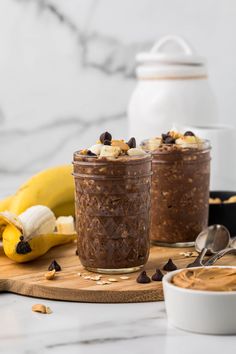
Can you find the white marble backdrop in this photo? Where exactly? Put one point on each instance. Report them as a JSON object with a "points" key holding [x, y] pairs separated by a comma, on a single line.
{"points": [[67, 70]]}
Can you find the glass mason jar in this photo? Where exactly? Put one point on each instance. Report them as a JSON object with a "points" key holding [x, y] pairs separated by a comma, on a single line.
{"points": [[179, 194], [112, 202]]}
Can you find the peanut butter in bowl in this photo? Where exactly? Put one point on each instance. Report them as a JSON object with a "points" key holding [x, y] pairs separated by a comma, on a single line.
{"points": [[208, 279]]}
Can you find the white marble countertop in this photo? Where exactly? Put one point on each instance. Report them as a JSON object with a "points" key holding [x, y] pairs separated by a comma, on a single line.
{"points": [[97, 328]]}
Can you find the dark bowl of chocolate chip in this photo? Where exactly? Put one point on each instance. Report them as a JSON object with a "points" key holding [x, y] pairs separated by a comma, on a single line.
{"points": [[222, 210]]}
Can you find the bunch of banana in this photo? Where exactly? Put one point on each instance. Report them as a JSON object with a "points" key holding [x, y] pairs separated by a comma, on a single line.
{"points": [[32, 233]]}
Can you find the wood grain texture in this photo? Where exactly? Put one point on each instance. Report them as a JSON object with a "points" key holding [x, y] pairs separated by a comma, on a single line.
{"points": [[28, 279]]}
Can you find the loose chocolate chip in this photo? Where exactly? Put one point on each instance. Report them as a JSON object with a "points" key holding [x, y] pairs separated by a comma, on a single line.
{"points": [[23, 247], [105, 136], [189, 133], [169, 266], [132, 143], [54, 265], [90, 153], [143, 278], [157, 276], [76, 252], [107, 142]]}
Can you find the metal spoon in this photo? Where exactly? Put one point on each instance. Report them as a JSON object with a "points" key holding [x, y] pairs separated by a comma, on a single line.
{"points": [[222, 253], [211, 240]]}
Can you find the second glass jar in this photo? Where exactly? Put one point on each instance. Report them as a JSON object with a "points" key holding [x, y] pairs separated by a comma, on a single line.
{"points": [[179, 195]]}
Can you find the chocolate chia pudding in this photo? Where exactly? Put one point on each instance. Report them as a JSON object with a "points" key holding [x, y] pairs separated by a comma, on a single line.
{"points": [[180, 188], [112, 193]]}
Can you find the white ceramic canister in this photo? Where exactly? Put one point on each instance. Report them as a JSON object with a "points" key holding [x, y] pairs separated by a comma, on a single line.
{"points": [[172, 89], [223, 142]]}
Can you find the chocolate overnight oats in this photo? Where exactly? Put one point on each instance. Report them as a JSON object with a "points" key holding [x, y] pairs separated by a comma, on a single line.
{"points": [[112, 193], [180, 187]]}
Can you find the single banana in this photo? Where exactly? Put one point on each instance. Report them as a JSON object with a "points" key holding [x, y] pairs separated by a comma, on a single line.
{"points": [[31, 234], [51, 187], [5, 203], [65, 209]]}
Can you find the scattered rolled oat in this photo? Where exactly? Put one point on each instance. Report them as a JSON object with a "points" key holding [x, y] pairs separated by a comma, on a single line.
{"points": [[87, 277], [124, 277], [99, 282], [188, 254], [41, 309], [79, 274], [96, 278], [103, 282], [112, 280], [50, 275]]}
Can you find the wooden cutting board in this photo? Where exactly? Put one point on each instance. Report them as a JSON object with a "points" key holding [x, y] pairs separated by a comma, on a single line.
{"points": [[28, 279]]}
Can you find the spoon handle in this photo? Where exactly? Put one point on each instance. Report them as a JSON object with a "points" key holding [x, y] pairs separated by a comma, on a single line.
{"points": [[202, 255], [219, 255], [198, 261]]}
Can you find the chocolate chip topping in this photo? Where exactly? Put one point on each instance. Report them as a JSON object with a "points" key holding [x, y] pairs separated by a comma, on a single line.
{"points": [[107, 142], [105, 137], [169, 266], [143, 278], [23, 247], [54, 265], [164, 136], [90, 153], [167, 139], [157, 276], [132, 143], [189, 133]]}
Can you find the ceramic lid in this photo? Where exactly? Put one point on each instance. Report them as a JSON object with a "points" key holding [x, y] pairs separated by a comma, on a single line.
{"points": [[171, 56]]}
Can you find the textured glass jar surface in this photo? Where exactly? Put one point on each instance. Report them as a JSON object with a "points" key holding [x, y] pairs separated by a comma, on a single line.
{"points": [[179, 195], [112, 211]]}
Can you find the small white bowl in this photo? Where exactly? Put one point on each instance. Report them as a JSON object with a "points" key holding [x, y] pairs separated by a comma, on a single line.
{"points": [[210, 312]]}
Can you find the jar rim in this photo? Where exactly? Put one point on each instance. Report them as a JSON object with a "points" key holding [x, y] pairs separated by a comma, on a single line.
{"points": [[206, 146], [121, 160]]}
